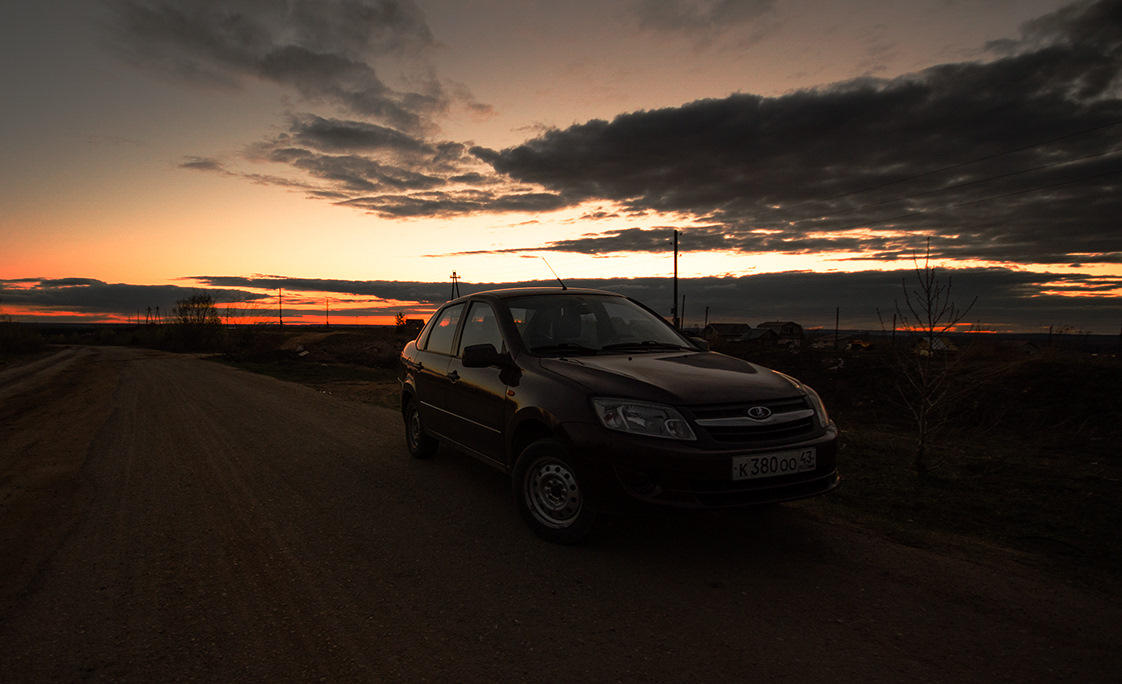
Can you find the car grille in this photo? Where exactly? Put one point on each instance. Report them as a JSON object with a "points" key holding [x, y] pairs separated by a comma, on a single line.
{"points": [[727, 424]]}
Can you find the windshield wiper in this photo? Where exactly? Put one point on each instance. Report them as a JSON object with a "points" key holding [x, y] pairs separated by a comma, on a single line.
{"points": [[563, 348], [645, 345]]}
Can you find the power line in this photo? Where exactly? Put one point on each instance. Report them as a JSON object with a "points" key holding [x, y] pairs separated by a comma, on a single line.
{"points": [[1043, 187]]}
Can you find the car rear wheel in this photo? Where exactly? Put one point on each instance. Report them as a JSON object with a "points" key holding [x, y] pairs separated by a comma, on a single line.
{"points": [[547, 491], [420, 444]]}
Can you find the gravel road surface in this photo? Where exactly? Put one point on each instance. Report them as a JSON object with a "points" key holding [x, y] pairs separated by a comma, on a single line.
{"points": [[166, 518]]}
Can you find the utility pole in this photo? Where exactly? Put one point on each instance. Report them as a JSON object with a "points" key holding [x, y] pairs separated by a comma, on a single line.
{"points": [[280, 307], [674, 303], [327, 313], [455, 285]]}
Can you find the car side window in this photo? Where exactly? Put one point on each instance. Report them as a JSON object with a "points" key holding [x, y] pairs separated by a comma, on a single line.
{"points": [[481, 327], [443, 331]]}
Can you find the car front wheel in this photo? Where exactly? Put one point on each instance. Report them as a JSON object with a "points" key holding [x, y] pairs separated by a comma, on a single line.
{"points": [[420, 444], [547, 491]]}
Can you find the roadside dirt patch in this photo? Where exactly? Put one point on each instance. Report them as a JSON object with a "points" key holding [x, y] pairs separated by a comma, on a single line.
{"points": [[52, 408]]}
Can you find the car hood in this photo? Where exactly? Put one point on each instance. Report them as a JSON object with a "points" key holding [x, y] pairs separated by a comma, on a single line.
{"points": [[678, 378]]}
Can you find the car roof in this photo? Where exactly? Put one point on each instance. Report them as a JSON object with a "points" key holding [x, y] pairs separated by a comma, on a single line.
{"points": [[511, 292]]}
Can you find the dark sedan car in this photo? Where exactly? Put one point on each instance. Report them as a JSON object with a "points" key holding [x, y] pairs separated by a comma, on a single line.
{"points": [[594, 403]]}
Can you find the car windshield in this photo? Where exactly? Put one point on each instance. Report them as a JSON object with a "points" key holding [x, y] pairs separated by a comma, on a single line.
{"points": [[590, 324]]}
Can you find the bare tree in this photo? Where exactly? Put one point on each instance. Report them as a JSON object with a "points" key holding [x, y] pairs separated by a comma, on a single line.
{"points": [[925, 365], [198, 309], [196, 321]]}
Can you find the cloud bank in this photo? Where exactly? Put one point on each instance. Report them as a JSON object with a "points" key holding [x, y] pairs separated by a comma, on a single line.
{"points": [[1015, 158], [1007, 299], [324, 51], [93, 300]]}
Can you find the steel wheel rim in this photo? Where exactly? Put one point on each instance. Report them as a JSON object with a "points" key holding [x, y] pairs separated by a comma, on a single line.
{"points": [[414, 428], [553, 494]]}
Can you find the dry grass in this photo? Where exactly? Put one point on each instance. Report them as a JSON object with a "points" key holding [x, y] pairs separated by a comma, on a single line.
{"points": [[1028, 459]]}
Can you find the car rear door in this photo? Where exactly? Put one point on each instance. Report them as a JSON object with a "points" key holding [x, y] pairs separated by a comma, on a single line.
{"points": [[431, 371], [476, 397]]}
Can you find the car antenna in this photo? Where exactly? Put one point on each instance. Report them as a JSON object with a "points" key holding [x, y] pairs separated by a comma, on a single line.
{"points": [[555, 274]]}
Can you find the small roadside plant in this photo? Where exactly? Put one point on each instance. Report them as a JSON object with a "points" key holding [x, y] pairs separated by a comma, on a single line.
{"points": [[926, 362]]}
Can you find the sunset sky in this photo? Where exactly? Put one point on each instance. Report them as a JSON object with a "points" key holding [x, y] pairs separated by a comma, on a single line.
{"points": [[353, 154]]}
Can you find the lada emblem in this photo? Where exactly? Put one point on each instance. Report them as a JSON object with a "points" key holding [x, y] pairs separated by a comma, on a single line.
{"points": [[759, 412]]}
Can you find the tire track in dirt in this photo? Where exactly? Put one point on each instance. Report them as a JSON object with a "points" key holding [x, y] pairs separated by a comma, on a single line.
{"points": [[50, 411], [195, 539]]}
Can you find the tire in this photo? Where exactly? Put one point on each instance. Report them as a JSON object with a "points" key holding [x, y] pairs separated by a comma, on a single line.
{"points": [[420, 445], [547, 492]]}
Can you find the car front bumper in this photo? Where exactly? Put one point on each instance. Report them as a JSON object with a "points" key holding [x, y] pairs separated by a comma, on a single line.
{"points": [[624, 472]]}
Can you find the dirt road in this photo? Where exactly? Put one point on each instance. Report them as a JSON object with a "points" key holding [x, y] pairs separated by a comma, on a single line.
{"points": [[165, 518]]}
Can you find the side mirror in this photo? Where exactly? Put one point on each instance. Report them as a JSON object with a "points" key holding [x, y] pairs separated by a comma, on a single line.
{"points": [[482, 356]]}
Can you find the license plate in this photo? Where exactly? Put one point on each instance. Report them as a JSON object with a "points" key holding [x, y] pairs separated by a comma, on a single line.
{"points": [[772, 465]]}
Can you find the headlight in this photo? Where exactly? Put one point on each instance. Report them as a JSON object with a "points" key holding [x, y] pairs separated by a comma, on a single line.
{"points": [[815, 401], [818, 406], [636, 417]]}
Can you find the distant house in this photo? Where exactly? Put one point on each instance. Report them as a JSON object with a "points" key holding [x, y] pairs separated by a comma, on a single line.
{"points": [[854, 343], [740, 333], [937, 345], [763, 337], [413, 326], [790, 333], [727, 332], [848, 343]]}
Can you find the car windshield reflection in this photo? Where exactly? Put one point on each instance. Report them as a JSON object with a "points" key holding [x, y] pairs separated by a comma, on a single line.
{"points": [[590, 324]]}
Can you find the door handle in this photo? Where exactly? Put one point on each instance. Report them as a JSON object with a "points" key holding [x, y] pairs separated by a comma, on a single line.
{"points": [[454, 376]]}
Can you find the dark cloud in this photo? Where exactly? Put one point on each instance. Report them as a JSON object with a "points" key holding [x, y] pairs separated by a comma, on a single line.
{"points": [[703, 19], [93, 298], [202, 164], [416, 292], [1006, 299], [451, 204], [333, 135], [383, 171], [1018, 159], [325, 50]]}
